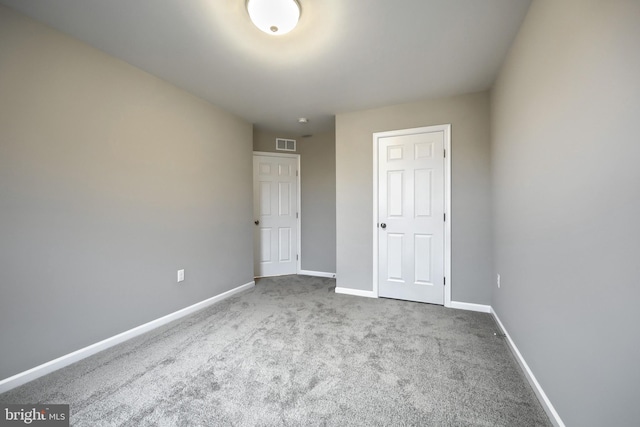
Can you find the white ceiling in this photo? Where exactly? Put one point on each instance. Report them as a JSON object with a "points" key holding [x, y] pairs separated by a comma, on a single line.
{"points": [[344, 55]]}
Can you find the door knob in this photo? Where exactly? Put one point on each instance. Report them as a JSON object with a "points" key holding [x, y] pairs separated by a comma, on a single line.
{"points": [[383, 225], [256, 222]]}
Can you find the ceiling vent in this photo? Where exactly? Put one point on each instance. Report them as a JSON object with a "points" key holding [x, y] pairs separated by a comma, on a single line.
{"points": [[285, 144]]}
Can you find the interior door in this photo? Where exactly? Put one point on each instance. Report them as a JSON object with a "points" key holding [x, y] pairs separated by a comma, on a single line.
{"points": [[411, 215], [275, 202]]}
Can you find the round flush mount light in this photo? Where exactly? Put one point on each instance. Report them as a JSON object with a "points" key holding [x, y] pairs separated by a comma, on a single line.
{"points": [[303, 120], [275, 17]]}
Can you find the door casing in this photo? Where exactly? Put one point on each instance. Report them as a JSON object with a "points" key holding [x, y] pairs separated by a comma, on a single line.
{"points": [[298, 201], [446, 129]]}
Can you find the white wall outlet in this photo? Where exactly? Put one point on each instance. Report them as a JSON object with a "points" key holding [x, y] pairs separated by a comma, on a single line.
{"points": [[498, 280], [181, 275]]}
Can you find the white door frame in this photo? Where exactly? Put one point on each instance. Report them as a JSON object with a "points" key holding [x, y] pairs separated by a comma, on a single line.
{"points": [[298, 201], [447, 202]]}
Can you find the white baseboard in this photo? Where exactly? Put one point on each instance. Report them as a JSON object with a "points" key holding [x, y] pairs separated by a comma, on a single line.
{"points": [[317, 274], [537, 388], [66, 360], [275, 275], [355, 292], [470, 307]]}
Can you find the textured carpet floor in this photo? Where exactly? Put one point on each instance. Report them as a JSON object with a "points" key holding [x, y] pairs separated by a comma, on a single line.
{"points": [[292, 352]]}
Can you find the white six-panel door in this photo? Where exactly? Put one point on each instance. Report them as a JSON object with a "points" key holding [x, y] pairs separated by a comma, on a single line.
{"points": [[275, 204], [411, 208]]}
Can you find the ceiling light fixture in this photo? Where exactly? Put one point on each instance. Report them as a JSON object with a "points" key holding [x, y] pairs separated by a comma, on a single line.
{"points": [[303, 120], [275, 17]]}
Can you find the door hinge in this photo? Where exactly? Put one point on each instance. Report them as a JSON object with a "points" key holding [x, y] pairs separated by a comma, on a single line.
{"points": [[296, 173], [445, 153], [445, 281], [445, 217], [296, 257], [296, 214]]}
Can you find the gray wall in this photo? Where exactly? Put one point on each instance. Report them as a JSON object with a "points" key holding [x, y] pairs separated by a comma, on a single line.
{"points": [[566, 150], [110, 180], [318, 190], [471, 205]]}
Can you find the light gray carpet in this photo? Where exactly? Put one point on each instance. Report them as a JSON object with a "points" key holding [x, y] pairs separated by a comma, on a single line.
{"points": [[292, 352]]}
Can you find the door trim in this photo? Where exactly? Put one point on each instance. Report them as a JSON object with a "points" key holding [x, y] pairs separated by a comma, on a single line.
{"points": [[447, 202], [298, 202]]}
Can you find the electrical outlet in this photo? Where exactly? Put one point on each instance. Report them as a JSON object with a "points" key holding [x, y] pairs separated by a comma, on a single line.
{"points": [[181, 275], [498, 280]]}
